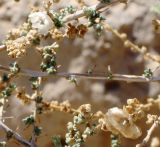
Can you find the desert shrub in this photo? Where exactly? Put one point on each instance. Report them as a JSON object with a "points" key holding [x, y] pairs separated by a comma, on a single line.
{"points": [[44, 24]]}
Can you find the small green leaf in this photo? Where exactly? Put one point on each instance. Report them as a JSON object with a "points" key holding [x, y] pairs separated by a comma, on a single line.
{"points": [[56, 140], [37, 130], [29, 120], [148, 73], [115, 140]]}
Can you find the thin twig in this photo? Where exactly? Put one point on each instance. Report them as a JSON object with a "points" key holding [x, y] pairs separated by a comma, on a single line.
{"points": [[33, 140], [81, 13], [134, 47], [2, 102], [149, 133], [15, 135], [96, 76]]}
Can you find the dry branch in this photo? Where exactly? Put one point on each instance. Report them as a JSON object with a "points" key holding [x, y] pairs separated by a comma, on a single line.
{"points": [[98, 76], [80, 13], [149, 134], [15, 135]]}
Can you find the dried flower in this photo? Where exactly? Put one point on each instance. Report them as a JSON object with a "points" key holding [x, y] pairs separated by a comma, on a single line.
{"points": [[56, 34], [156, 25], [41, 21], [117, 121], [82, 30], [85, 108], [151, 118], [134, 109], [71, 31], [16, 48]]}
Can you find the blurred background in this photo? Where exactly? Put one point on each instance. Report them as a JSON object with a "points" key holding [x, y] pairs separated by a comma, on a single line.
{"points": [[79, 55]]}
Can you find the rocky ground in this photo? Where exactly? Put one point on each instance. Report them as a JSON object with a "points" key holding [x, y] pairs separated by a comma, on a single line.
{"points": [[79, 55]]}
